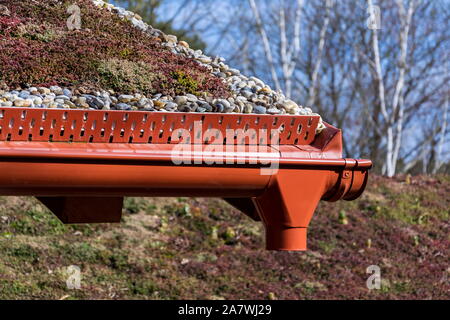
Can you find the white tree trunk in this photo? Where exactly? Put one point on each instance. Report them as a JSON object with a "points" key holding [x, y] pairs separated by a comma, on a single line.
{"points": [[394, 119], [438, 162], [398, 99], [289, 54], [313, 86], [266, 43], [381, 92]]}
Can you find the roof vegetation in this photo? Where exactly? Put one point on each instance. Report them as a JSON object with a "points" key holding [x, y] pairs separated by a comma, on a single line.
{"points": [[38, 49]]}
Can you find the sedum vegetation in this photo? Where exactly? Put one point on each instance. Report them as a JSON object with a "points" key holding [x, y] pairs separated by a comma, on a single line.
{"points": [[37, 49]]}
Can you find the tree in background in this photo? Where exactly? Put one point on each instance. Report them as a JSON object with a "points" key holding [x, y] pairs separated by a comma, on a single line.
{"points": [[147, 9], [386, 88]]}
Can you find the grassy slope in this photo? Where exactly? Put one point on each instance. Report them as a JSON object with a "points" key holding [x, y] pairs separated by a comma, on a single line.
{"points": [[197, 248]]}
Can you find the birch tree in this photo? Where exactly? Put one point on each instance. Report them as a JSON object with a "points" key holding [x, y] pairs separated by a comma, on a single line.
{"points": [[266, 43], [385, 88], [320, 49], [289, 54], [442, 141], [393, 115]]}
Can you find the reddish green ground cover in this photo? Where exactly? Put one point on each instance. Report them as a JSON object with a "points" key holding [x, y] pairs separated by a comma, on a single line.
{"points": [[204, 249], [37, 49]]}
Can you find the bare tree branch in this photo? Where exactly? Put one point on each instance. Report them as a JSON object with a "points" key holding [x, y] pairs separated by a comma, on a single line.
{"points": [[266, 43]]}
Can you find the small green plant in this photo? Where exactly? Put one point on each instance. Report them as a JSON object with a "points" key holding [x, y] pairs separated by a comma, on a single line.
{"points": [[416, 240], [385, 286], [343, 217], [38, 222], [118, 260], [31, 31], [327, 246], [185, 83], [206, 257], [408, 179], [229, 236], [271, 296], [126, 76], [24, 252], [184, 211], [124, 53], [15, 288], [214, 233], [180, 210], [80, 253]]}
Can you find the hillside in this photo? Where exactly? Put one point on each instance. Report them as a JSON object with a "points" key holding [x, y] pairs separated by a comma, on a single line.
{"points": [[203, 249]]}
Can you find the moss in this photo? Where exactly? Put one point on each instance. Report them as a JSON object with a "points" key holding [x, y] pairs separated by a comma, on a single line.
{"points": [[143, 288], [310, 287], [31, 31], [327, 246], [80, 253], [119, 260], [184, 83], [402, 286], [16, 289], [407, 208], [24, 252], [136, 205], [206, 257], [124, 53], [38, 222], [124, 75]]}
